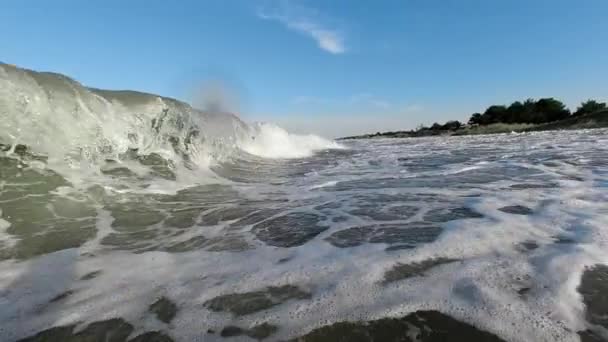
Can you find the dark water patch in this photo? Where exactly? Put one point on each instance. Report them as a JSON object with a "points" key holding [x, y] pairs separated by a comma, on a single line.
{"points": [[467, 289], [411, 234], [159, 166], [118, 172], [151, 336], [415, 269], [91, 275], [34, 215], [284, 260], [574, 178], [594, 290], [517, 210], [338, 219], [164, 309], [421, 326], [241, 304], [382, 183], [371, 184], [379, 212], [329, 205], [403, 211], [43, 222], [211, 194], [592, 336], [133, 216], [53, 334], [561, 239], [383, 199], [20, 177], [441, 215], [398, 248], [551, 163], [351, 237], [528, 246], [141, 240], [20, 150], [231, 331], [56, 238], [290, 230], [258, 332], [262, 331], [112, 330], [183, 218], [62, 296], [525, 186]]}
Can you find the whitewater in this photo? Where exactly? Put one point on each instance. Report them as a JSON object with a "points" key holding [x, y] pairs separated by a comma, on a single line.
{"points": [[127, 216]]}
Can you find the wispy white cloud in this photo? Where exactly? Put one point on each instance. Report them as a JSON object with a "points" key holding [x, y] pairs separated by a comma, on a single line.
{"points": [[328, 40], [300, 20]]}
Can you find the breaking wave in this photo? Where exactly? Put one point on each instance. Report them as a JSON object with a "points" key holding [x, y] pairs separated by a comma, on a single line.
{"points": [[272, 141], [87, 131]]}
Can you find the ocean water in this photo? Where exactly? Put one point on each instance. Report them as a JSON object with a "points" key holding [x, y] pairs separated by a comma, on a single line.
{"points": [[131, 217]]}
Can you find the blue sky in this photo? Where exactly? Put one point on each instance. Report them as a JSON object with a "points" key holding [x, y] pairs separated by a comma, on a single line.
{"points": [[330, 67]]}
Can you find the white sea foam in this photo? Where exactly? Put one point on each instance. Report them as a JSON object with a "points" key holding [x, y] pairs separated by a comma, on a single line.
{"points": [[271, 141], [481, 288], [323, 185]]}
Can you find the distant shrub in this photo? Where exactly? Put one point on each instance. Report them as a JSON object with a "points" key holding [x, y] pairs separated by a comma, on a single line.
{"points": [[530, 111], [589, 106]]}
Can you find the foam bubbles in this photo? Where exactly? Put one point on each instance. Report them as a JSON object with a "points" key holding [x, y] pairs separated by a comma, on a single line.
{"points": [[271, 141]]}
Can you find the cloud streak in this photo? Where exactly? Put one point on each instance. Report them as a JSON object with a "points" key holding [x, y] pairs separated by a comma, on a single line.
{"points": [[330, 40]]}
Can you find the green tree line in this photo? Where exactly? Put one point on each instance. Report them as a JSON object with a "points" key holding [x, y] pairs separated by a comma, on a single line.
{"points": [[533, 112], [527, 112]]}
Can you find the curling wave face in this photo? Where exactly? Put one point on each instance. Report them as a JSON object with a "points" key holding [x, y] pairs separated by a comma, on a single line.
{"points": [[82, 130]]}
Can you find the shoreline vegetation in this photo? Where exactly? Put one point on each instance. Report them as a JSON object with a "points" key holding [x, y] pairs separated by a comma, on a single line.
{"points": [[529, 116]]}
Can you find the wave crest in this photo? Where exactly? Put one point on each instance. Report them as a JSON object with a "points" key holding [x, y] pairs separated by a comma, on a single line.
{"points": [[271, 141], [80, 129]]}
